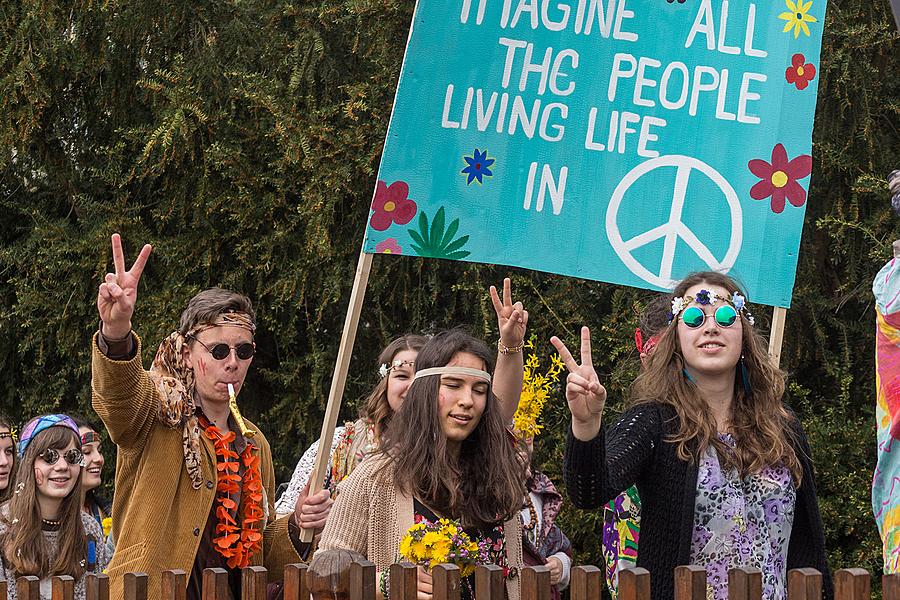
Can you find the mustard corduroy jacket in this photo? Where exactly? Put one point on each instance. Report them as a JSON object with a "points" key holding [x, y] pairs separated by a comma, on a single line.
{"points": [[158, 517]]}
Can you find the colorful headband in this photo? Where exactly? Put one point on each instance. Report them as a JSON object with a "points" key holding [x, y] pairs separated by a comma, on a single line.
{"points": [[453, 371], [705, 298], [13, 434], [384, 369], [90, 437], [39, 424]]}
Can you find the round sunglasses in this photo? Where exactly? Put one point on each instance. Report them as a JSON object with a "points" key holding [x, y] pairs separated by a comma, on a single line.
{"points": [[74, 457], [220, 351], [694, 317]]}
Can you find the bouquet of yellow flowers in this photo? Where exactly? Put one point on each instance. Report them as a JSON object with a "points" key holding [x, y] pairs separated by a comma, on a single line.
{"points": [[430, 544]]}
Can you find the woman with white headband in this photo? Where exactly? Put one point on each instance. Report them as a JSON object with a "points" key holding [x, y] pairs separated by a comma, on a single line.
{"points": [[451, 457], [354, 441]]}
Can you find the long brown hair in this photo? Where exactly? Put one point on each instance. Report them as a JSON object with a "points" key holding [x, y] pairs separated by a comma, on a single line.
{"points": [[6, 423], [376, 408], [760, 423], [485, 484], [24, 547]]}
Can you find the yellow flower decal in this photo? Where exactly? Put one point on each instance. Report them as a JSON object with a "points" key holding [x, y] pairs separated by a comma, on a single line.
{"points": [[107, 526], [798, 17]]}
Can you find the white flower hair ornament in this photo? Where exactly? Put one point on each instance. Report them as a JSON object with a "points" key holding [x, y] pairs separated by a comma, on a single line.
{"points": [[385, 369]]}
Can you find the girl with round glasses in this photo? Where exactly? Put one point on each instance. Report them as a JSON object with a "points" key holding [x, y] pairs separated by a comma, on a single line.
{"points": [[722, 466], [43, 531]]}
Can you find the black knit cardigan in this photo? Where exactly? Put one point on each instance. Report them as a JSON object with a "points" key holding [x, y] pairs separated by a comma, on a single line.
{"points": [[634, 451]]}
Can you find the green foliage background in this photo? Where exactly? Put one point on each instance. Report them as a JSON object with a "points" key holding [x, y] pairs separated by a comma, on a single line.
{"points": [[242, 139]]}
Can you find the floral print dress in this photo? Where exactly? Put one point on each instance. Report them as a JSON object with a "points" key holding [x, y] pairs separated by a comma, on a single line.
{"points": [[742, 523]]}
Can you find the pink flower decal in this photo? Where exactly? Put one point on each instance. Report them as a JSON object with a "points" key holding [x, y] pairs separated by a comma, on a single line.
{"points": [[779, 179], [388, 246], [800, 73], [392, 205]]}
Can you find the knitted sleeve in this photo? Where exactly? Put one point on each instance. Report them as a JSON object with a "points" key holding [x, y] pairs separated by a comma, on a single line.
{"points": [[806, 547], [124, 397], [348, 523], [597, 470]]}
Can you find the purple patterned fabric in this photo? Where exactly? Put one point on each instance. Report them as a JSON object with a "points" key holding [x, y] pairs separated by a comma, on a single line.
{"points": [[39, 424], [742, 523]]}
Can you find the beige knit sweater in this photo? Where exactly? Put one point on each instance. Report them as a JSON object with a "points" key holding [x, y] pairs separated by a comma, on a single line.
{"points": [[371, 516], [157, 516]]}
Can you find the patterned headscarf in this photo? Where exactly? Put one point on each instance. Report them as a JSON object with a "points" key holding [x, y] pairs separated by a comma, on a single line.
{"points": [[39, 424], [175, 382]]}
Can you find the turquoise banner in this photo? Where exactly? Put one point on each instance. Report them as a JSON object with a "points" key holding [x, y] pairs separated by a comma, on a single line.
{"points": [[626, 141]]}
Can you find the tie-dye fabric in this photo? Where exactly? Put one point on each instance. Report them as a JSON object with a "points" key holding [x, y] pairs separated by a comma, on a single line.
{"points": [[886, 482], [621, 530]]}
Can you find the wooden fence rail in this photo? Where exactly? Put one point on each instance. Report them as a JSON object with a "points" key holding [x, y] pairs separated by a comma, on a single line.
{"points": [[356, 580]]}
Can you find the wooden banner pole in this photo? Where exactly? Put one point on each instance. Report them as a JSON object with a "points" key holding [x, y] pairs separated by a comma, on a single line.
{"points": [[776, 335], [341, 365]]}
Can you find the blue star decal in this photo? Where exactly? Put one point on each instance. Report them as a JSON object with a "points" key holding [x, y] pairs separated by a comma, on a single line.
{"points": [[477, 166]]}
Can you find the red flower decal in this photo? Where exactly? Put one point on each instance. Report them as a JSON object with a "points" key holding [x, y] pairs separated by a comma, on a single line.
{"points": [[800, 73], [388, 246], [779, 179], [391, 205]]}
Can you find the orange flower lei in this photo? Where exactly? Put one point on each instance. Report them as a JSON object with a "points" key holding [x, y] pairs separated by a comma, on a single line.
{"points": [[236, 542]]}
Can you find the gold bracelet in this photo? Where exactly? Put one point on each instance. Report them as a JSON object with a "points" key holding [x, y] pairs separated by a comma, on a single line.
{"points": [[510, 349]]}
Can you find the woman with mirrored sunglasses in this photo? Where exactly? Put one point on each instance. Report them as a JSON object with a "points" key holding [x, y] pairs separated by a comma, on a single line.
{"points": [[57, 538], [722, 466]]}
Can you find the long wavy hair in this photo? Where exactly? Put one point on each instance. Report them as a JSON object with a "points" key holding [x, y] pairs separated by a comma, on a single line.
{"points": [[93, 497], [485, 483], [760, 423], [376, 408], [23, 546]]}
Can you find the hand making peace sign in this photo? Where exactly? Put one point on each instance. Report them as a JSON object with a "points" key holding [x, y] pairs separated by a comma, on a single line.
{"points": [[118, 292], [584, 393], [512, 319]]}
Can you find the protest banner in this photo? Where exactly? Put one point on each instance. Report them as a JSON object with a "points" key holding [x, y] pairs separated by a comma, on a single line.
{"points": [[625, 141]]}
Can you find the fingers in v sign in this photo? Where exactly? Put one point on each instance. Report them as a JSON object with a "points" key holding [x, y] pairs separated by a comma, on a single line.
{"points": [[117, 294], [584, 392], [512, 318]]}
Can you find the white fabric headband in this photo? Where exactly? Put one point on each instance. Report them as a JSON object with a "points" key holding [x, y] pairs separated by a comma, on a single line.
{"points": [[453, 371]]}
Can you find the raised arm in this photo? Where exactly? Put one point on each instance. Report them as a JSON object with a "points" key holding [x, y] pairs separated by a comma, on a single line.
{"points": [[512, 320], [596, 468], [122, 393]]}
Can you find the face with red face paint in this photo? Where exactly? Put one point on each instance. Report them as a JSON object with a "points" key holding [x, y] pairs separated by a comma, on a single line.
{"points": [[212, 376]]}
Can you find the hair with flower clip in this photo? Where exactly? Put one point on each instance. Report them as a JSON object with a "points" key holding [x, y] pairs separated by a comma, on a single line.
{"points": [[759, 419], [375, 408], [385, 369]]}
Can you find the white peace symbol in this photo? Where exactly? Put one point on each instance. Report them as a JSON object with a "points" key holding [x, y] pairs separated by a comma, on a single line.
{"points": [[673, 228]]}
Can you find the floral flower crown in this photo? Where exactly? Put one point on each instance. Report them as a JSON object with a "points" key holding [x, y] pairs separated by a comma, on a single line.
{"points": [[384, 369], [705, 298]]}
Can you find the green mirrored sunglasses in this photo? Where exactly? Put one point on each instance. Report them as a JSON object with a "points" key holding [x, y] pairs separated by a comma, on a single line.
{"points": [[694, 317]]}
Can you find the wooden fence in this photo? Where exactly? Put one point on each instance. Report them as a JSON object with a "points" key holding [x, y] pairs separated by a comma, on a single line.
{"points": [[357, 582]]}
